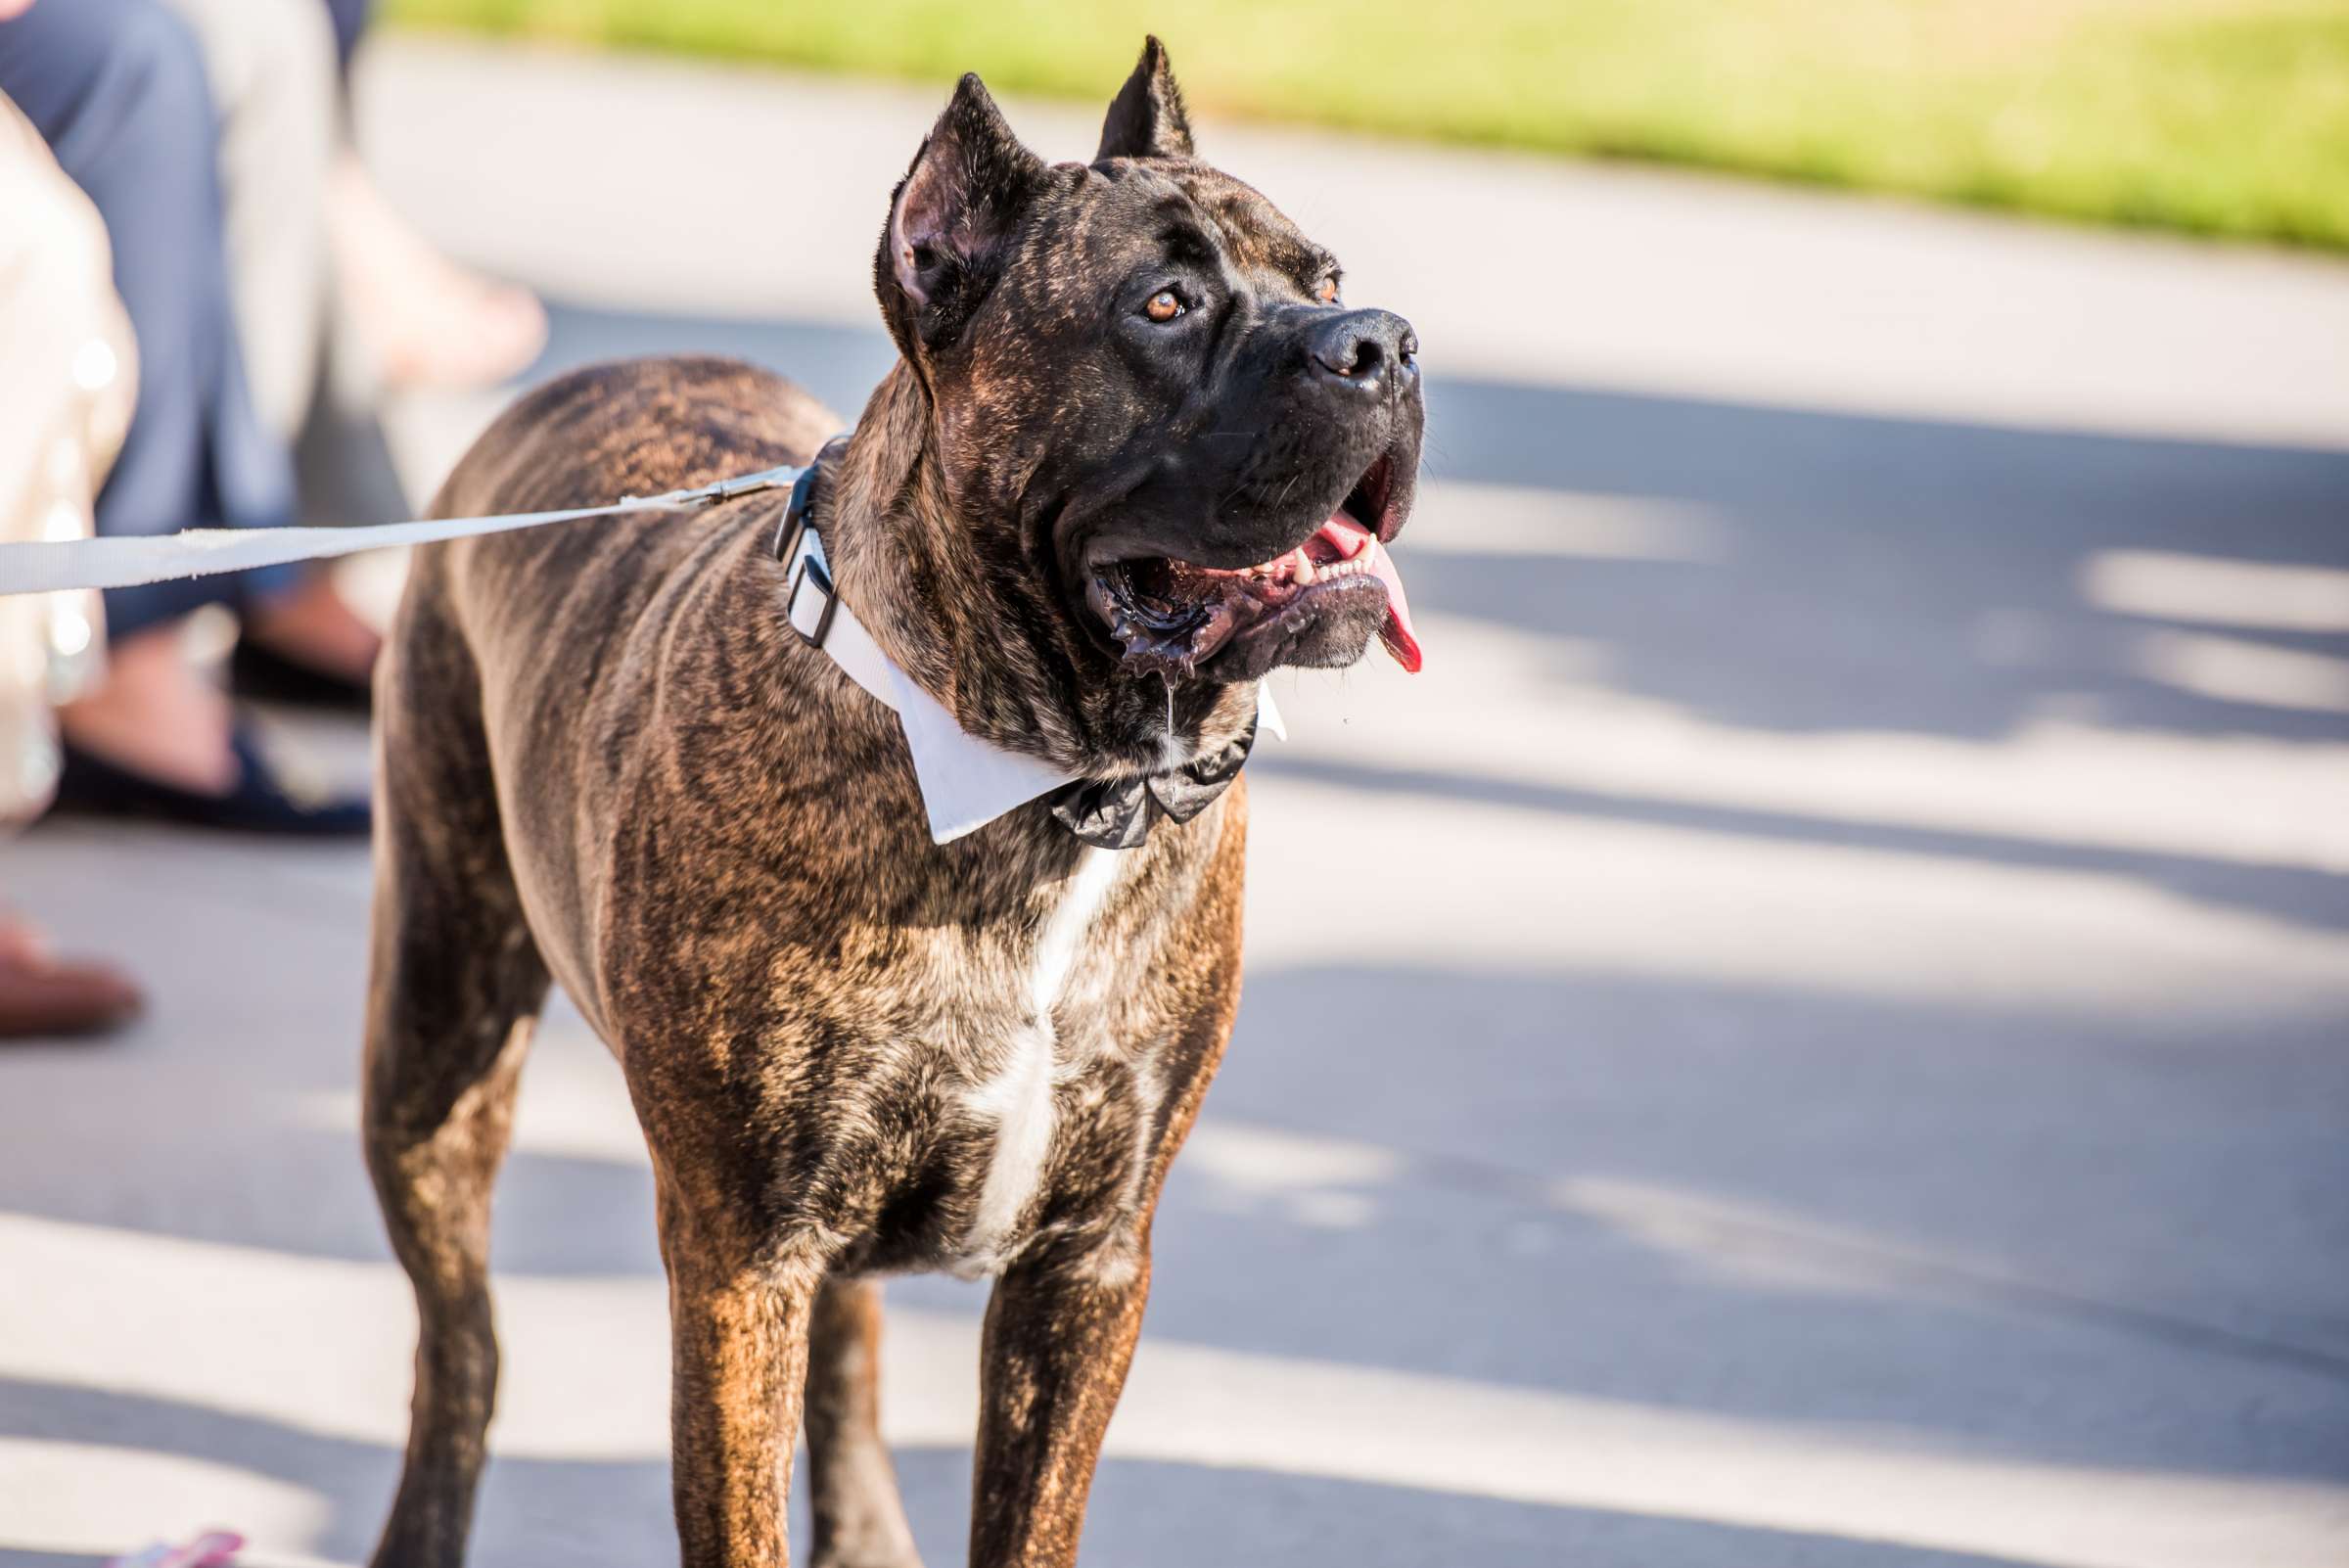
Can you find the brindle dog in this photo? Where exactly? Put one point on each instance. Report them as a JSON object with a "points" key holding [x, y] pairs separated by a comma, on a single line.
{"points": [[1135, 454]]}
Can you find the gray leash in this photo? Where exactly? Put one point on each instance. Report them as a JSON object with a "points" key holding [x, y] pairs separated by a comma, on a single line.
{"points": [[127, 562]]}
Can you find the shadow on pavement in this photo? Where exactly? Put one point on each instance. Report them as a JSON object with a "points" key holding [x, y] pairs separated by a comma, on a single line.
{"points": [[2294, 894]]}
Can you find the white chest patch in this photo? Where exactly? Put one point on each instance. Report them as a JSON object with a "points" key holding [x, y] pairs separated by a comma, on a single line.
{"points": [[1019, 1098]]}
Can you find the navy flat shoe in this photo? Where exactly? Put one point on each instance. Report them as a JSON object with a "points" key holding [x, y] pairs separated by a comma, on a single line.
{"points": [[256, 671], [259, 802]]}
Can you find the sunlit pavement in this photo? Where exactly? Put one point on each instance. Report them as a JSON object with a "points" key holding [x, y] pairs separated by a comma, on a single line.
{"points": [[1816, 1031]]}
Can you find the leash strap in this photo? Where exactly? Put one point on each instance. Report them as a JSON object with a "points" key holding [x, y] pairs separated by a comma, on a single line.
{"points": [[127, 562], [966, 783]]}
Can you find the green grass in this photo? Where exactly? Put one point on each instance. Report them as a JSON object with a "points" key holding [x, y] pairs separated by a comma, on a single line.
{"points": [[2211, 117]]}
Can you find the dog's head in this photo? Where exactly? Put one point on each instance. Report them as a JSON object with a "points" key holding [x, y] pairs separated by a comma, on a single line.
{"points": [[1147, 380]]}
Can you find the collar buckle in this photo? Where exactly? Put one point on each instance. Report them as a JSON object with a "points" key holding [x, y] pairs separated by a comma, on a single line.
{"points": [[803, 498], [801, 549], [811, 575], [795, 515]]}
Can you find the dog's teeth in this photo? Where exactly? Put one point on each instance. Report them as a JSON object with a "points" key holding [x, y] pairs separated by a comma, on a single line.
{"points": [[1304, 567]]}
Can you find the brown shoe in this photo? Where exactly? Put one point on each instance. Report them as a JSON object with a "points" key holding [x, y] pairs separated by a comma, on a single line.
{"points": [[44, 996]]}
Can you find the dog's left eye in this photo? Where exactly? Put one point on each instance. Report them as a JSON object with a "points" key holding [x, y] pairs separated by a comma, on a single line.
{"points": [[1326, 291], [1164, 305]]}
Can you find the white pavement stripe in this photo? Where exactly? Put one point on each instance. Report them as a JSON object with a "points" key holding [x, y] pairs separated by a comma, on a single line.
{"points": [[2216, 590], [1459, 517], [1497, 703], [101, 1500], [2236, 669], [1599, 896]]}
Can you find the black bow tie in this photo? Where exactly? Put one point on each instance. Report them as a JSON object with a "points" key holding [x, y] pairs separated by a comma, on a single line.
{"points": [[1119, 813]]}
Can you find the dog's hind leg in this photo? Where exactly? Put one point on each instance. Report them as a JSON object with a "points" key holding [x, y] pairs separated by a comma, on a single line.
{"points": [[859, 1518], [456, 984]]}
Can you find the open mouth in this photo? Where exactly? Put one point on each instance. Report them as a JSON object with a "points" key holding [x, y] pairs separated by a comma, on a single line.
{"points": [[1170, 616]]}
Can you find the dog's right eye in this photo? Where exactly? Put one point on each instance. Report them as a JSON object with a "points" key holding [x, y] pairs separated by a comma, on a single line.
{"points": [[1164, 305]]}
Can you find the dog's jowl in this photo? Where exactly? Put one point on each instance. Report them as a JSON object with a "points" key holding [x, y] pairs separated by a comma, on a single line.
{"points": [[1135, 453]]}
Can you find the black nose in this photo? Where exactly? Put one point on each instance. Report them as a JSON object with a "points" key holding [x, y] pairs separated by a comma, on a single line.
{"points": [[1364, 348]]}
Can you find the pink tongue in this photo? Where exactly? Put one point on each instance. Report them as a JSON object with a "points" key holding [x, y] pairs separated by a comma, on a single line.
{"points": [[1397, 634], [1351, 540]]}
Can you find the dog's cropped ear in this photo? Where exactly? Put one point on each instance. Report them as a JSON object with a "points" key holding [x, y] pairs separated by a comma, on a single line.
{"points": [[951, 218], [1146, 119]]}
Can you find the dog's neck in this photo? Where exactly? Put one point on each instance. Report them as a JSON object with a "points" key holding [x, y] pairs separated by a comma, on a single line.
{"points": [[967, 611]]}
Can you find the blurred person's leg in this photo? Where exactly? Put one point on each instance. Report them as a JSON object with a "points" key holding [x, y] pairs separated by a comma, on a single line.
{"points": [[118, 91], [345, 460], [428, 321], [274, 71], [350, 20], [65, 398]]}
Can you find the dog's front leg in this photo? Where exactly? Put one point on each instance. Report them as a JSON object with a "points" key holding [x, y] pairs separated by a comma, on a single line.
{"points": [[738, 1328], [1060, 1331]]}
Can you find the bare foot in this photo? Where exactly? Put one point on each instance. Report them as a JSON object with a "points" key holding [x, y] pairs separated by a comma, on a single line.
{"points": [[154, 714], [314, 627], [430, 321]]}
